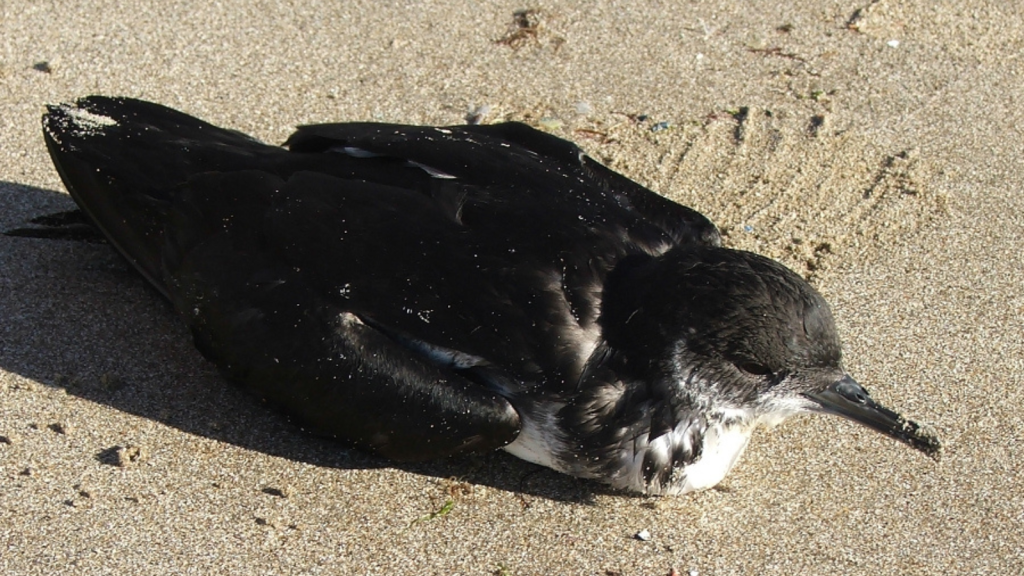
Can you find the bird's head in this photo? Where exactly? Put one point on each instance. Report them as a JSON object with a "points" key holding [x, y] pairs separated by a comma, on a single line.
{"points": [[731, 329]]}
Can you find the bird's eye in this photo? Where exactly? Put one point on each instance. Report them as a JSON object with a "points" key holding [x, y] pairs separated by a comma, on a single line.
{"points": [[755, 368]]}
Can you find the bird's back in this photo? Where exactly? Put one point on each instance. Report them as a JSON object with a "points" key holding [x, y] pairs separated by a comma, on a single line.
{"points": [[490, 240]]}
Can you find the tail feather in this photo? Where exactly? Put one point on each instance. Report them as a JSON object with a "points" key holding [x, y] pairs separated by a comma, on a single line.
{"points": [[70, 225], [122, 161]]}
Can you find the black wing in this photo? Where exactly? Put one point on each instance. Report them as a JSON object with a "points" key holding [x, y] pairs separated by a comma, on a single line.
{"points": [[385, 284], [179, 199], [482, 154], [271, 325]]}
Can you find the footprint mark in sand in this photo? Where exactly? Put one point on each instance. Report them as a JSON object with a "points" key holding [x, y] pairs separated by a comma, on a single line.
{"points": [[782, 183]]}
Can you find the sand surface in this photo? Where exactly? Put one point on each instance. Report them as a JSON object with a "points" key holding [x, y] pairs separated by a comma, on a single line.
{"points": [[874, 146]]}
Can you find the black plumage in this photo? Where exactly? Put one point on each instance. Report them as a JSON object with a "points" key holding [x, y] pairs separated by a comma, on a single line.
{"points": [[421, 292]]}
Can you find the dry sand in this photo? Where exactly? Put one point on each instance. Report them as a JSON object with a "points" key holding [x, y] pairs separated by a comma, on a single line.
{"points": [[873, 145]]}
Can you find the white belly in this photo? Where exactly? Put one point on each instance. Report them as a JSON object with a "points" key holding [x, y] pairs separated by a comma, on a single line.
{"points": [[722, 449]]}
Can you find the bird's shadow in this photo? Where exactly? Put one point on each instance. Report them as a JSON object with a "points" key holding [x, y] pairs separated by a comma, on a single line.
{"points": [[77, 317]]}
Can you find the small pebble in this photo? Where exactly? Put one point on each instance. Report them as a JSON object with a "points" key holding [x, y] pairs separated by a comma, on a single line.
{"points": [[893, 43], [128, 455], [549, 123], [122, 456], [477, 113], [643, 536], [660, 126], [279, 492]]}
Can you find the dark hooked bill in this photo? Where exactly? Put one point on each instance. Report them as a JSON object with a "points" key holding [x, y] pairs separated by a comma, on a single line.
{"points": [[849, 399]]}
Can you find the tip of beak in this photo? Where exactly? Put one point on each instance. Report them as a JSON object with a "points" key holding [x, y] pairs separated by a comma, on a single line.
{"points": [[925, 438]]}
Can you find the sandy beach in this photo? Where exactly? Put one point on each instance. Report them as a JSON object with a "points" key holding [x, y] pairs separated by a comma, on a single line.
{"points": [[873, 146]]}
